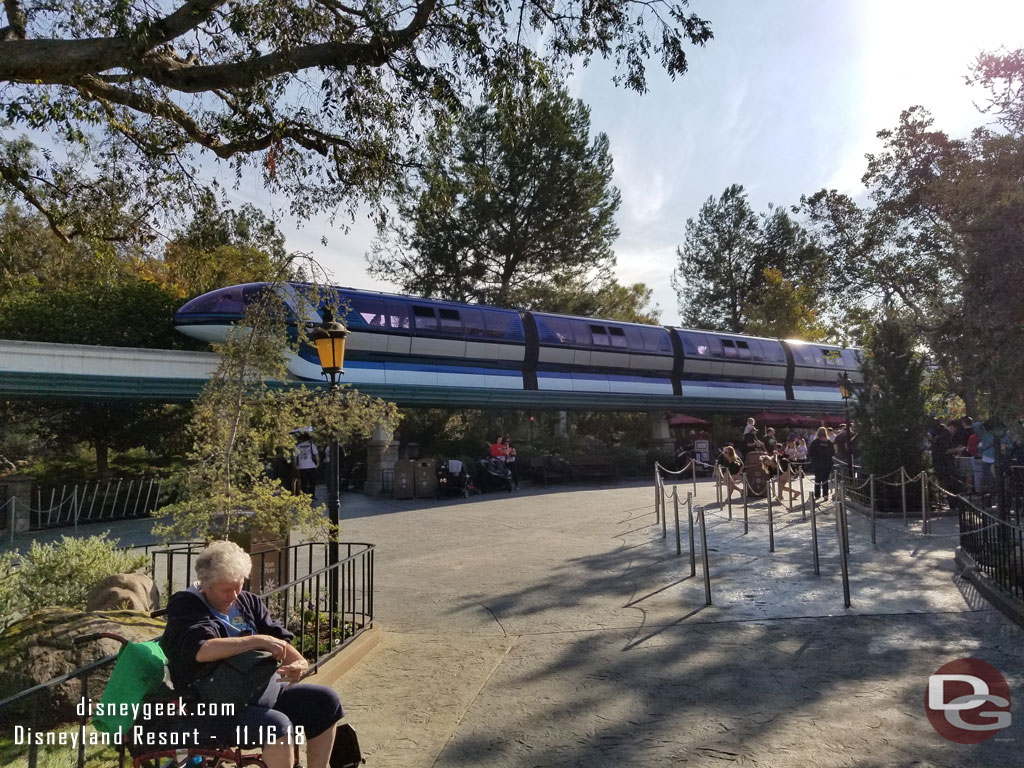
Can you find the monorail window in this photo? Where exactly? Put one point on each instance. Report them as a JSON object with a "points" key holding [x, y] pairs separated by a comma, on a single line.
{"points": [[729, 348], [832, 357], [773, 352], [398, 315], [600, 335], [450, 321], [559, 331], [695, 344], [743, 350], [634, 339], [715, 346], [425, 318], [656, 341], [497, 324], [756, 350], [372, 311], [803, 355], [580, 332], [618, 337], [473, 320], [850, 359]]}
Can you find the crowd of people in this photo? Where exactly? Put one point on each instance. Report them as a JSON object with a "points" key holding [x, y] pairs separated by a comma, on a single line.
{"points": [[782, 458]]}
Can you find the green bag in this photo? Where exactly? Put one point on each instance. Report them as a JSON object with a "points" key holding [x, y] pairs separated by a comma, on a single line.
{"points": [[139, 669]]}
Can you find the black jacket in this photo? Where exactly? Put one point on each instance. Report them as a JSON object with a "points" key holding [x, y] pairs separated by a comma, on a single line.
{"points": [[190, 624], [820, 454]]}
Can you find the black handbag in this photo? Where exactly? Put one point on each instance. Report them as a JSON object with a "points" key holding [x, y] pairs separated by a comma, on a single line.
{"points": [[346, 752], [237, 680]]}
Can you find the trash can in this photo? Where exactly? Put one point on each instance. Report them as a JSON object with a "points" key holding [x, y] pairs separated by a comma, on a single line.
{"points": [[404, 482], [426, 479]]}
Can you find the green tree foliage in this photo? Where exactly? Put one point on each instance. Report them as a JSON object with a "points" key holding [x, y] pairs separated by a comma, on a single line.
{"points": [[323, 98], [240, 422], [726, 254], [611, 300], [220, 247], [890, 405], [941, 242], [513, 207], [784, 310], [128, 313]]}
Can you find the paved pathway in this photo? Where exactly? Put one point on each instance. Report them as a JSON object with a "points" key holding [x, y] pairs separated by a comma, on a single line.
{"points": [[559, 629]]}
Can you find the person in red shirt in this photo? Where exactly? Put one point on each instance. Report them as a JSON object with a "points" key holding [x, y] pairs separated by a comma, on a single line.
{"points": [[498, 449]]}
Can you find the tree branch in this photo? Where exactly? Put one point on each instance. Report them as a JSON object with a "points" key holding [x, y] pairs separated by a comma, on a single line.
{"points": [[65, 61]]}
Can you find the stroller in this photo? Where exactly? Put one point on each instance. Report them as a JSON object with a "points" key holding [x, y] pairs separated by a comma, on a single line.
{"points": [[453, 479], [492, 474]]}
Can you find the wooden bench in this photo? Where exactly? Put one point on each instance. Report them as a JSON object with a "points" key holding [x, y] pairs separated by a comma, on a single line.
{"points": [[550, 468], [595, 467]]}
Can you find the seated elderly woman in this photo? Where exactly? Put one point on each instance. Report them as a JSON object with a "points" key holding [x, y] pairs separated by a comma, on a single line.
{"points": [[215, 619]]}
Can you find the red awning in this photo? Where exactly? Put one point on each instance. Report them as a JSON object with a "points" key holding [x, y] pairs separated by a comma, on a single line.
{"points": [[682, 420]]}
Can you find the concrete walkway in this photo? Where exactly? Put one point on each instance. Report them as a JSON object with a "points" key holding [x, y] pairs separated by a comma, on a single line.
{"points": [[558, 628]]}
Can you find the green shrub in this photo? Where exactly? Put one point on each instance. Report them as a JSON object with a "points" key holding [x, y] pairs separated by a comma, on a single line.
{"points": [[60, 574], [12, 600]]}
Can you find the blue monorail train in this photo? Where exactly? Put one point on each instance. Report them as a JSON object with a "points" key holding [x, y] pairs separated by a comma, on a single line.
{"points": [[400, 345]]}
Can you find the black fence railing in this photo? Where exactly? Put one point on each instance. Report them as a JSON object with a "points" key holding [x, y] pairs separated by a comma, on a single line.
{"points": [[326, 606], [997, 547]]}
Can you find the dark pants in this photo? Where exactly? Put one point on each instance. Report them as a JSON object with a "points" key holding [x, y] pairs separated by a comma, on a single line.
{"points": [[821, 477], [314, 708], [308, 479]]}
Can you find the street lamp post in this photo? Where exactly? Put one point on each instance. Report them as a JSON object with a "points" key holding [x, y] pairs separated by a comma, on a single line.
{"points": [[329, 337]]}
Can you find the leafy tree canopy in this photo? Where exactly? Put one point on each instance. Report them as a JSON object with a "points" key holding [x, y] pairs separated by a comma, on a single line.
{"points": [[727, 261], [941, 241], [327, 99], [513, 202]]}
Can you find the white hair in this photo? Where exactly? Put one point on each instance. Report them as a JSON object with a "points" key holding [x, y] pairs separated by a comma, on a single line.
{"points": [[222, 561]]}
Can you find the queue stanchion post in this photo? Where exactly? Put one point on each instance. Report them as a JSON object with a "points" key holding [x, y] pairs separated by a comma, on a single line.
{"points": [[718, 483], [814, 538], [704, 555], [664, 512], [657, 492], [903, 493], [771, 524], [803, 497], [924, 502], [871, 482], [693, 470], [675, 508], [729, 502], [843, 549], [693, 554], [746, 517]]}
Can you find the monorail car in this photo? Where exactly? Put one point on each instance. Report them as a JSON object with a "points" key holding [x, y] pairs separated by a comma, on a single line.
{"points": [[399, 343]]}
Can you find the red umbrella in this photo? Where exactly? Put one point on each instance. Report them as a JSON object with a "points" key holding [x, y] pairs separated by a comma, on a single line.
{"points": [[682, 420]]}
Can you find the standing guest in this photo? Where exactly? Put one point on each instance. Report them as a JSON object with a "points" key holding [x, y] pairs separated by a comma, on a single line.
{"points": [[963, 432], [801, 451], [216, 619], [770, 441], [510, 461], [730, 468], [820, 454], [306, 459], [944, 453]]}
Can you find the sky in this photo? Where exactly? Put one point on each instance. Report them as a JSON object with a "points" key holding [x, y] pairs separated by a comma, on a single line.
{"points": [[785, 100]]}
